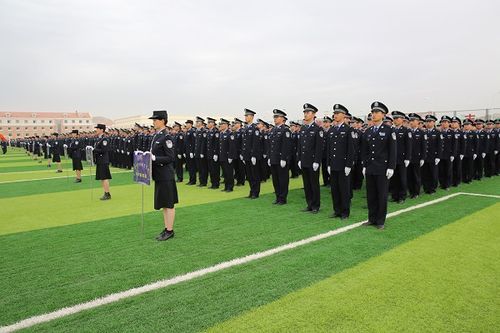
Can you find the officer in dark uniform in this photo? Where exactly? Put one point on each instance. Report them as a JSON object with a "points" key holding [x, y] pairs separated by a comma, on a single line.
{"points": [[483, 141], [450, 145], [213, 153], [489, 159], [163, 173], [294, 168], [459, 153], [310, 148], [433, 155], [327, 123], [471, 147], [340, 158], [399, 182], [200, 151], [251, 153], [101, 151], [264, 169], [418, 154], [189, 144], [76, 151], [180, 152], [238, 165], [279, 156], [56, 149], [227, 154], [379, 160], [357, 168]]}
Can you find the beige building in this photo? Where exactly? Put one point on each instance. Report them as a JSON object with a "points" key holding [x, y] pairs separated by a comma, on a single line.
{"points": [[22, 124], [129, 122]]}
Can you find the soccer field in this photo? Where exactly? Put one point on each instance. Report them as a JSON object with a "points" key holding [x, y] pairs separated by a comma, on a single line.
{"points": [[434, 268]]}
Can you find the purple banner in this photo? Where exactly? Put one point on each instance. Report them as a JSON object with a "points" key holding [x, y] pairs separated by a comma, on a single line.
{"points": [[142, 167]]}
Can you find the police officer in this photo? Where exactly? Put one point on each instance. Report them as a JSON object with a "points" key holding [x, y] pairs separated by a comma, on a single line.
{"points": [[189, 144], [213, 153], [180, 153], [310, 148], [101, 151], [56, 149], [433, 155], [379, 161], [460, 140], [200, 151], [489, 159], [238, 165], [75, 152], [279, 156], [471, 147], [450, 145], [483, 142], [340, 158], [418, 154], [163, 173], [251, 153], [357, 168], [327, 124], [294, 168], [399, 182], [227, 154]]}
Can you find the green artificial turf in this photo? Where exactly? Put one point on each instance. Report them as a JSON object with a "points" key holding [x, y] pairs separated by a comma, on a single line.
{"points": [[445, 281]]}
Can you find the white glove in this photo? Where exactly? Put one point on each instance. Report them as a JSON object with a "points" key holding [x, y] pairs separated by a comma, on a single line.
{"points": [[407, 162], [315, 166], [496, 152], [364, 172], [202, 156], [474, 156], [65, 145], [269, 162], [283, 163], [229, 160], [483, 154], [191, 155], [421, 163], [452, 158], [153, 157], [254, 160], [347, 171], [51, 146], [389, 173], [241, 157], [436, 161], [461, 157], [216, 158], [300, 165], [122, 151], [179, 156], [264, 155], [329, 169], [184, 155]]}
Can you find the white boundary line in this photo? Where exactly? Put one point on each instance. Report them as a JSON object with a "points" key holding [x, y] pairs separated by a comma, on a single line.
{"points": [[29, 180], [111, 298]]}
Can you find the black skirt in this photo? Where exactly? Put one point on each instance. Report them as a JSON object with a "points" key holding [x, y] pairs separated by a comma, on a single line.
{"points": [[102, 172], [165, 194], [77, 164], [56, 158]]}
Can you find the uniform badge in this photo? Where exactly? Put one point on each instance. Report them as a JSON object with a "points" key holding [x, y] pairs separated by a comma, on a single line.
{"points": [[265, 137], [169, 144], [232, 137], [76, 142], [180, 137], [353, 134], [393, 136], [287, 134], [465, 136], [457, 136], [105, 143], [321, 133], [425, 136], [216, 135], [257, 132], [409, 135], [204, 135], [194, 134], [382, 133], [441, 136]]}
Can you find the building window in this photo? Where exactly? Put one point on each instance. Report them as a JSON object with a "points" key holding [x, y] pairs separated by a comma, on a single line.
{"points": [[43, 121], [51, 127], [27, 134], [73, 121], [87, 121], [34, 121], [10, 134], [65, 127], [26, 128], [8, 128], [17, 121], [8, 121], [34, 127], [17, 128], [80, 121], [65, 121], [50, 121], [25, 121]]}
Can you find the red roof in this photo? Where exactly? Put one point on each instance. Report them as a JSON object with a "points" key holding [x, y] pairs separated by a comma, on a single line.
{"points": [[45, 115]]}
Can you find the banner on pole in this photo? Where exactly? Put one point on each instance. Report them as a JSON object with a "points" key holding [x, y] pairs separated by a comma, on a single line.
{"points": [[89, 156], [142, 167]]}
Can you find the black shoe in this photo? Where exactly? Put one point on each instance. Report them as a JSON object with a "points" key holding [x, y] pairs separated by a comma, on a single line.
{"points": [[214, 187], [165, 235], [400, 201], [315, 211], [58, 171], [78, 180], [179, 180], [275, 202], [161, 234], [254, 197], [239, 184], [280, 203], [307, 209], [106, 196], [344, 217], [228, 190], [380, 227]]}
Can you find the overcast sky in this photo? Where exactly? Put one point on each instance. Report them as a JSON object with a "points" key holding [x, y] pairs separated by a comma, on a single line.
{"points": [[121, 58]]}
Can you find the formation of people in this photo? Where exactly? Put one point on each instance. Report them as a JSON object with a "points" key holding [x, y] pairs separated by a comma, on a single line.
{"points": [[397, 154]]}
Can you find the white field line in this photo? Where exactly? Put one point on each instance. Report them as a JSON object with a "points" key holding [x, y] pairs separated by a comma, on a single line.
{"points": [[111, 298], [29, 180]]}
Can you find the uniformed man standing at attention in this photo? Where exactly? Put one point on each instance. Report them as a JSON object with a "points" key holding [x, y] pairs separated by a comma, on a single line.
{"points": [[238, 165], [76, 152], [417, 158], [340, 158], [163, 173], [227, 154], [309, 151], [471, 147], [180, 152], [102, 148], [213, 153], [189, 144], [399, 186], [279, 156], [251, 153], [449, 143], [56, 148], [379, 161], [200, 151], [460, 151], [433, 155]]}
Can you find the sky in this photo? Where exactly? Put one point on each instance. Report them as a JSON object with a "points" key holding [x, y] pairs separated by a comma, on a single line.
{"points": [[124, 58]]}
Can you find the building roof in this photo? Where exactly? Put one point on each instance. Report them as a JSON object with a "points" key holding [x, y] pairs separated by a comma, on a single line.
{"points": [[45, 115]]}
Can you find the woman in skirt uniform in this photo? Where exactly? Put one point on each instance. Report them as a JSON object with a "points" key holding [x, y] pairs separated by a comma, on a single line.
{"points": [[163, 165]]}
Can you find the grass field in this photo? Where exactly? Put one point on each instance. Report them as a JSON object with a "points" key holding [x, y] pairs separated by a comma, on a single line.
{"points": [[432, 269]]}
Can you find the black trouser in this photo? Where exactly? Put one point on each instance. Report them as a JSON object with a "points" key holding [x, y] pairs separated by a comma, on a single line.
{"points": [[265, 170], [445, 173], [294, 168], [430, 176], [280, 182], [399, 183], [467, 169], [377, 187], [239, 171], [357, 175], [478, 167], [341, 193], [414, 178], [253, 177], [214, 169], [310, 179], [179, 169], [456, 179], [324, 173], [489, 164], [191, 167], [202, 166], [228, 174]]}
